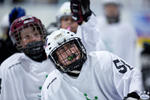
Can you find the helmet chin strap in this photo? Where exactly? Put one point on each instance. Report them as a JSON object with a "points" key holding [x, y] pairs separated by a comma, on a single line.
{"points": [[35, 51], [75, 72]]}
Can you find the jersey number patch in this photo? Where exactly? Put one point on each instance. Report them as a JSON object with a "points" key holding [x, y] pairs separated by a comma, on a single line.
{"points": [[122, 66]]}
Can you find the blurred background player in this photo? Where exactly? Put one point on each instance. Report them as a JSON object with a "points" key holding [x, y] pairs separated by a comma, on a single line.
{"points": [[7, 48], [117, 34], [86, 31], [64, 19], [23, 74]]}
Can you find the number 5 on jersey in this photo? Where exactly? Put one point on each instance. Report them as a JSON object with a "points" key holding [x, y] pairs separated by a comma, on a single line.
{"points": [[122, 66]]}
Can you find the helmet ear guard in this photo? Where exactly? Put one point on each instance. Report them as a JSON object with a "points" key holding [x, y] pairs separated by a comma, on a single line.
{"points": [[56, 41]]}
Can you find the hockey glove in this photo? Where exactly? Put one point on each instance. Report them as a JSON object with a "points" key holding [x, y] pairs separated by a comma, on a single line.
{"points": [[81, 10], [132, 96]]}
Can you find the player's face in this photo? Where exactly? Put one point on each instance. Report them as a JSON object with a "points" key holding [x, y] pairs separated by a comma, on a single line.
{"points": [[29, 35], [111, 10], [68, 23], [68, 53]]}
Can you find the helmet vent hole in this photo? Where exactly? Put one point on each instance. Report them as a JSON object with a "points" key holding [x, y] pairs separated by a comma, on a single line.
{"points": [[64, 40], [59, 43], [68, 32], [49, 48], [49, 43]]}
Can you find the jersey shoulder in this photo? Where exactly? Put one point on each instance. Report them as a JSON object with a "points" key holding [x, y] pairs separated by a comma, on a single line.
{"points": [[99, 59], [100, 55], [12, 61], [103, 56]]}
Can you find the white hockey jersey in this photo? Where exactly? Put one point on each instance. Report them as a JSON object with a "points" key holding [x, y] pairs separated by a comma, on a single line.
{"points": [[104, 76], [22, 78], [119, 38], [89, 34]]}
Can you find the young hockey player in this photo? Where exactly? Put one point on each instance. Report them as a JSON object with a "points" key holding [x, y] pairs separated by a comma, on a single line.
{"points": [[97, 75], [23, 74], [113, 28]]}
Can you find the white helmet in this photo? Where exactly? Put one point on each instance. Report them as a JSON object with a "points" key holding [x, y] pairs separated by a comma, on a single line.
{"points": [[56, 40], [105, 2], [64, 11]]}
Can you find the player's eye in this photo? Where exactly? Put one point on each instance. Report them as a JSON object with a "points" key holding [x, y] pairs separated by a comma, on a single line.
{"points": [[36, 34], [61, 50], [26, 37]]}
